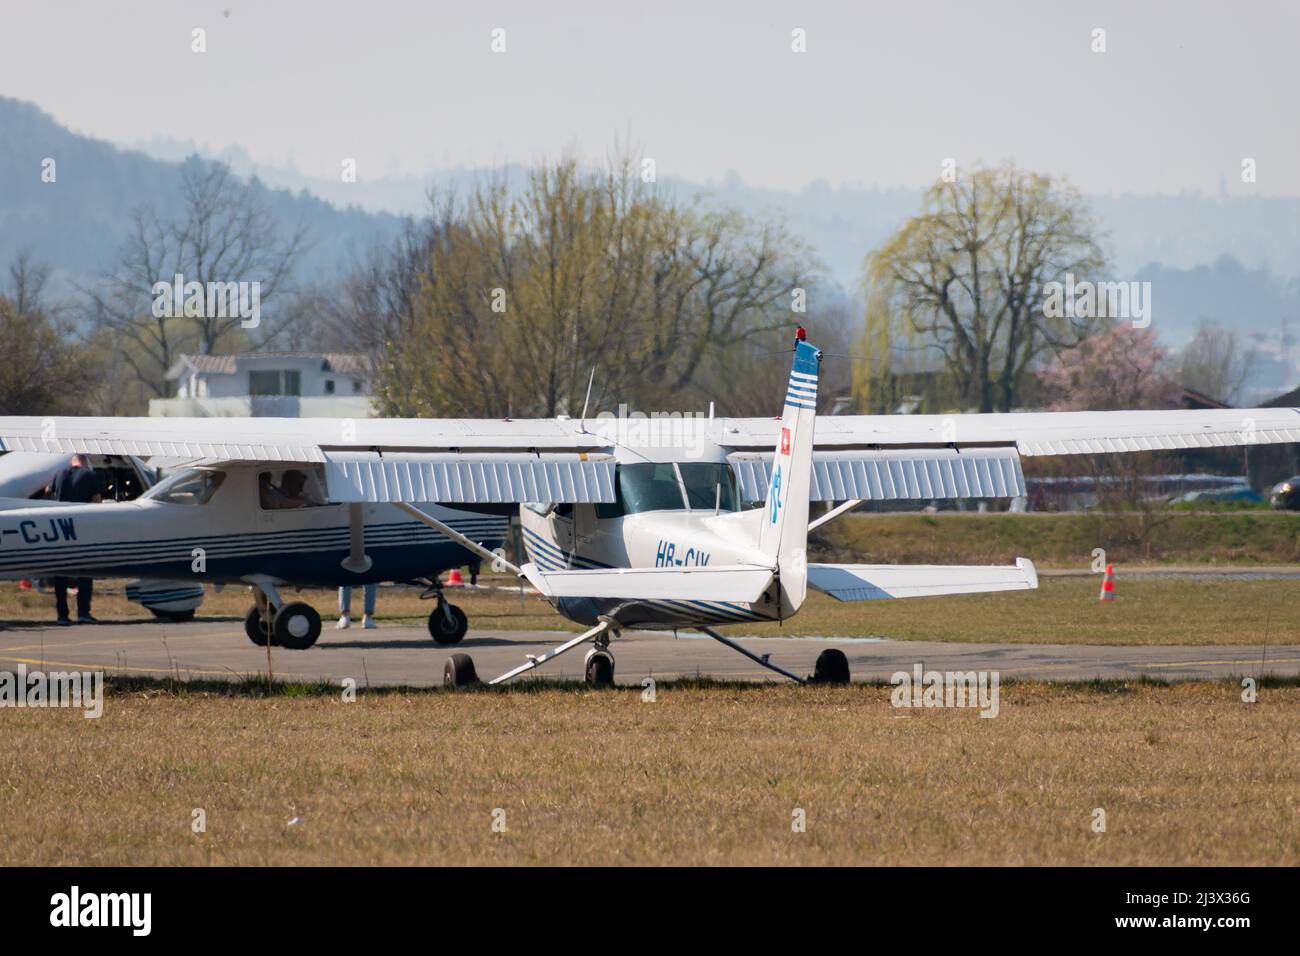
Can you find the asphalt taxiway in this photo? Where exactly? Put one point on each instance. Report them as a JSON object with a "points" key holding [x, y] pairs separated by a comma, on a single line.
{"points": [[396, 654]]}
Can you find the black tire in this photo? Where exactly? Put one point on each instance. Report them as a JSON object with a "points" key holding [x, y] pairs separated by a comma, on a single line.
{"points": [[175, 617], [600, 670], [297, 626], [832, 667], [254, 627], [447, 632], [459, 671]]}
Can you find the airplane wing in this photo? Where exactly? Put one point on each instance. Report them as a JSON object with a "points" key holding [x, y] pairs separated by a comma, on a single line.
{"points": [[479, 461], [1038, 433], [923, 457], [562, 460], [873, 582], [723, 583]]}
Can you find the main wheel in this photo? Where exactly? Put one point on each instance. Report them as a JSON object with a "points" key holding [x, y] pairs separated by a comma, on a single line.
{"points": [[459, 671], [296, 626], [832, 667], [444, 631], [254, 627], [600, 669]]}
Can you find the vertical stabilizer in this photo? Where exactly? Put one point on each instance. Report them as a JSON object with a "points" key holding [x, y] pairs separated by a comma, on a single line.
{"points": [[783, 534]]}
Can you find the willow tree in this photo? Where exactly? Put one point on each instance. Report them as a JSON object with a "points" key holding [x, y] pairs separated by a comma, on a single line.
{"points": [[963, 281]]}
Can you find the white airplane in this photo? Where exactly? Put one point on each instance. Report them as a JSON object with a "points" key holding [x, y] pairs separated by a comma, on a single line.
{"points": [[626, 529], [234, 524], [24, 477]]}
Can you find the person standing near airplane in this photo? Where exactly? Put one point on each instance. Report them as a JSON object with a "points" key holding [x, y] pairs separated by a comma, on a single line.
{"points": [[345, 607], [79, 483]]}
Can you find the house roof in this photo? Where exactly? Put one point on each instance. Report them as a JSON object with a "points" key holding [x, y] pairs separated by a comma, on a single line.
{"points": [[1285, 400], [345, 363]]}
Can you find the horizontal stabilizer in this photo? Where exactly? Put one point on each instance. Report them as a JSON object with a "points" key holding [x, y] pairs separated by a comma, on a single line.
{"points": [[874, 582], [740, 582]]}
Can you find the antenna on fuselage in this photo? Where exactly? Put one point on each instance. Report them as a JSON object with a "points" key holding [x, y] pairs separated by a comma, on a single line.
{"points": [[582, 423]]}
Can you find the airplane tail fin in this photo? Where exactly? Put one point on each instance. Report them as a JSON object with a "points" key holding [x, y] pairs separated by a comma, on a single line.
{"points": [[783, 531]]}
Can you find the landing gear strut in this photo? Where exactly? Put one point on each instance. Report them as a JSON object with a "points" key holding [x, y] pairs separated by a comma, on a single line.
{"points": [[447, 623], [832, 666]]}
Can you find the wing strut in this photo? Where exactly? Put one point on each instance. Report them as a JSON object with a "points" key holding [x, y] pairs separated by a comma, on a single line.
{"points": [[834, 513], [357, 560], [496, 560]]}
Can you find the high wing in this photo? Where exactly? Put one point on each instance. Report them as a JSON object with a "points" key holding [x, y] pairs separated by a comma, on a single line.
{"points": [[890, 457], [562, 460], [454, 461], [1040, 433]]}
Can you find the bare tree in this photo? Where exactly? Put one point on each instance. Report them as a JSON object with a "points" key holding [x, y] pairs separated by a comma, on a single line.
{"points": [[223, 234], [522, 292], [47, 370], [1215, 363], [27, 282]]}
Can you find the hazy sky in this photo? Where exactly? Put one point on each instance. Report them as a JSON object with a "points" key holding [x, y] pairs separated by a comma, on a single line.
{"points": [[885, 91]]}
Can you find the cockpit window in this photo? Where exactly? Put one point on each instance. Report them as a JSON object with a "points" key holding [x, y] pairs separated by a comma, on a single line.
{"points": [[194, 486], [649, 487], [291, 488], [709, 484]]}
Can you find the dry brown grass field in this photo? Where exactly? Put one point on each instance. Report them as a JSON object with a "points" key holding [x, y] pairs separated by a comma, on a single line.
{"points": [[1186, 773], [1062, 610]]}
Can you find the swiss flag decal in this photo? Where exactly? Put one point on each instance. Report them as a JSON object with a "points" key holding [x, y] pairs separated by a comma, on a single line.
{"points": [[785, 441]]}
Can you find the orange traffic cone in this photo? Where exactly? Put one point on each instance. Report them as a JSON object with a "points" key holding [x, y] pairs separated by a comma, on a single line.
{"points": [[454, 580], [1108, 584]]}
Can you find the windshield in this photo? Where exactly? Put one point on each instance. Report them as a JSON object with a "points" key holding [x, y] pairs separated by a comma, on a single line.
{"points": [[655, 487], [703, 481], [649, 487], [191, 487]]}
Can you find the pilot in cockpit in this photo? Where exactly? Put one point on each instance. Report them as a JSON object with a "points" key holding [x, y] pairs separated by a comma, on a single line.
{"points": [[291, 492]]}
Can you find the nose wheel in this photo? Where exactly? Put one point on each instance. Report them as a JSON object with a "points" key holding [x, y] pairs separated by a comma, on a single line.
{"points": [[447, 624]]}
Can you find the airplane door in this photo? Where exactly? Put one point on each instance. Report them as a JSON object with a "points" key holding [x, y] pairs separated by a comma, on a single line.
{"points": [[561, 520], [584, 525]]}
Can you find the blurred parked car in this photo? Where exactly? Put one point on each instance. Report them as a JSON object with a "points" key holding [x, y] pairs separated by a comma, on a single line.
{"points": [[1236, 495], [1286, 495]]}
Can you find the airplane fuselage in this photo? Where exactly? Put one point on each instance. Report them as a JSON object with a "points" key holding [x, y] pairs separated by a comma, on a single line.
{"points": [[230, 538], [654, 539]]}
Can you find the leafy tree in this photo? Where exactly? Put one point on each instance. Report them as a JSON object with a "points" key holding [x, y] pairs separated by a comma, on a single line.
{"points": [[964, 280]]}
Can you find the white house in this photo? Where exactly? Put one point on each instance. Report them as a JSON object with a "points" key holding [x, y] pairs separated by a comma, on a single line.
{"points": [[279, 384]]}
